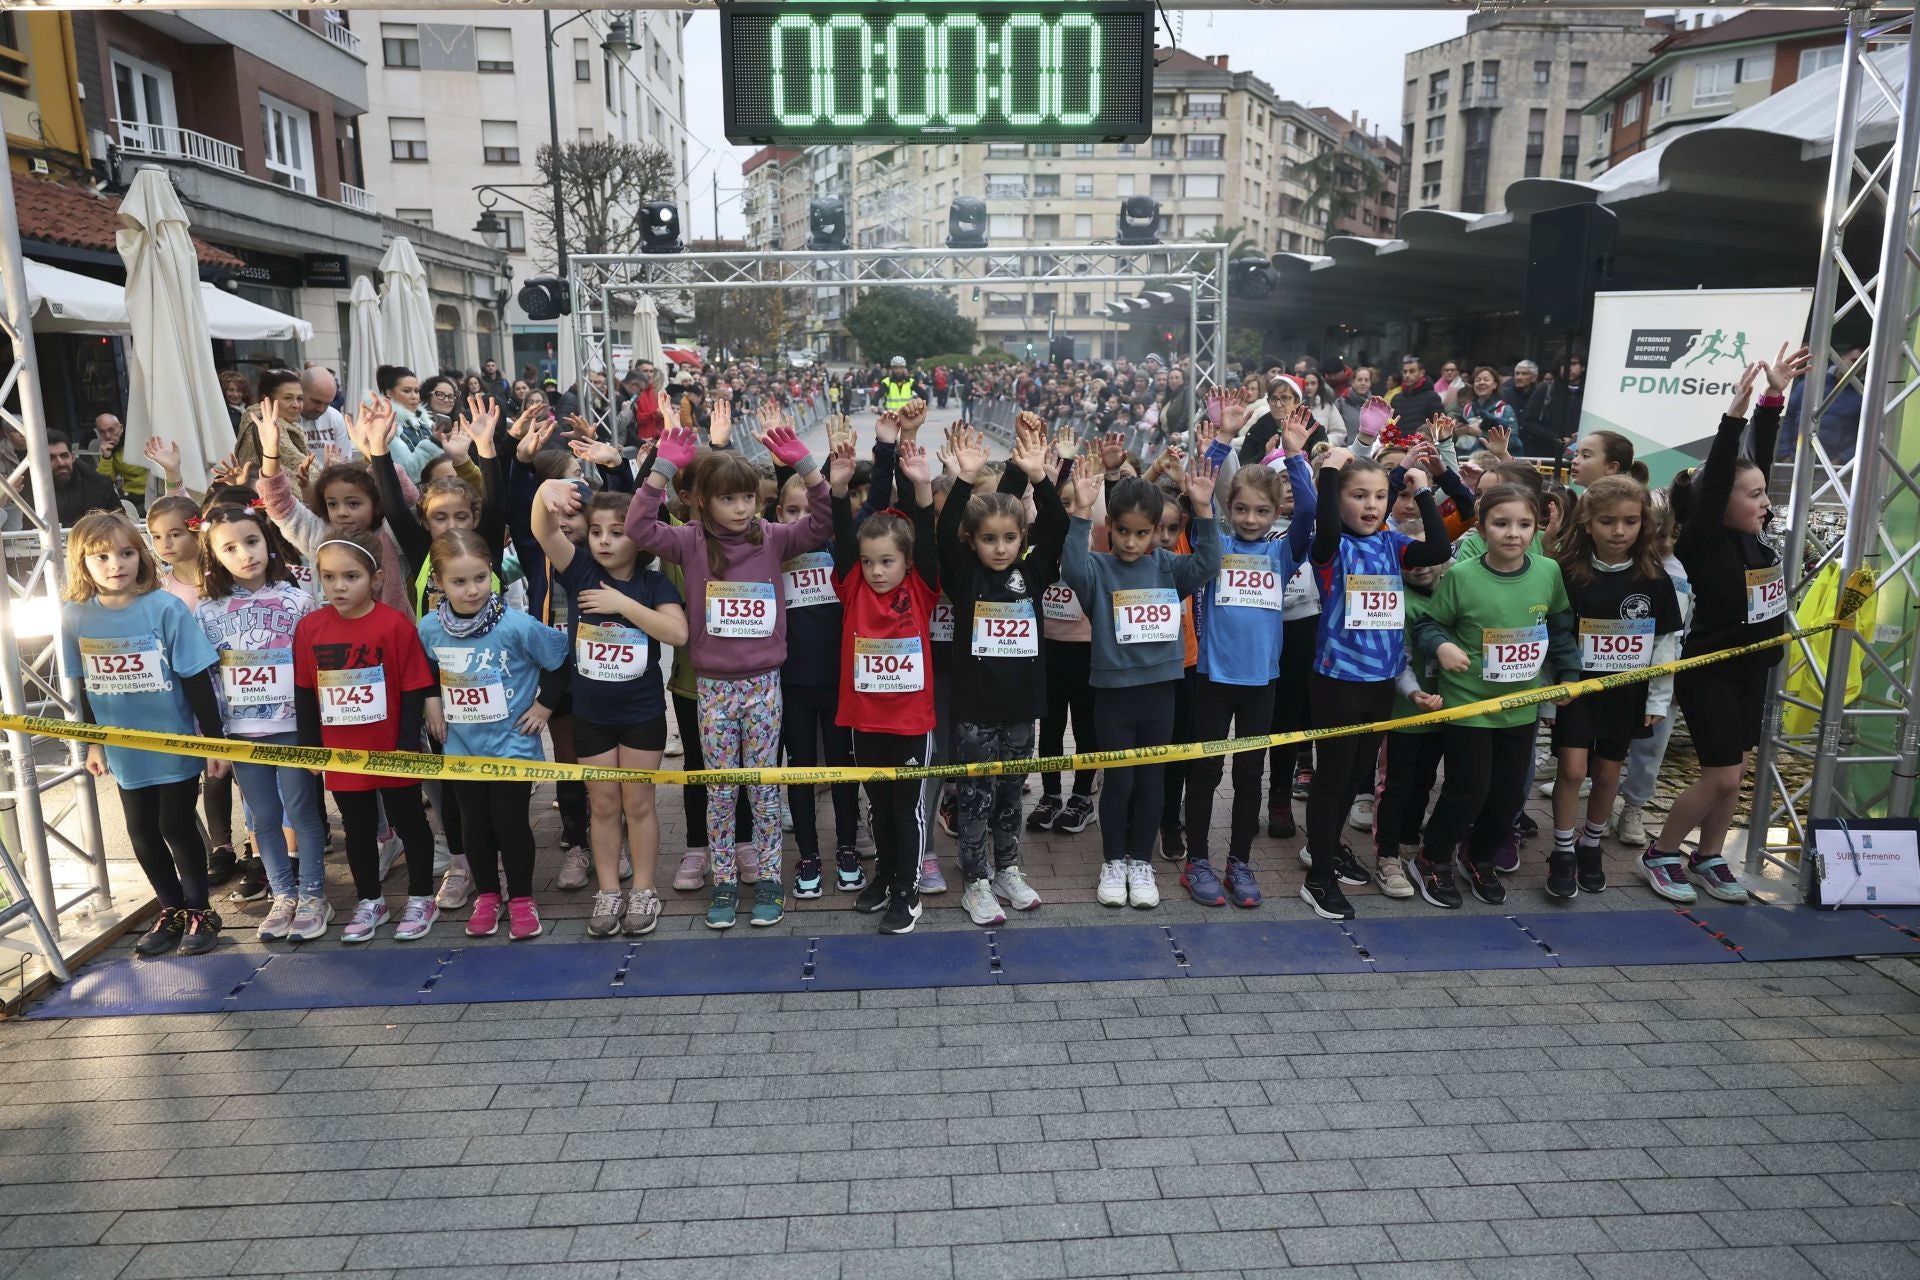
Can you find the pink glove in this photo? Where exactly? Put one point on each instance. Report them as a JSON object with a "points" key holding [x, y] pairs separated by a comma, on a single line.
{"points": [[1373, 417], [784, 445], [676, 447], [1213, 408]]}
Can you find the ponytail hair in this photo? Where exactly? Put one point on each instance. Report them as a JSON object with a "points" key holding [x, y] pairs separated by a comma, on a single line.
{"points": [[1617, 451]]}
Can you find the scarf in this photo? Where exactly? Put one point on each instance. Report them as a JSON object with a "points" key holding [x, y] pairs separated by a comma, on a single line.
{"points": [[478, 625]]}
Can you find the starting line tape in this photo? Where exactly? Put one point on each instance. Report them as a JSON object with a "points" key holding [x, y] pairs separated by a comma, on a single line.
{"points": [[418, 764]]}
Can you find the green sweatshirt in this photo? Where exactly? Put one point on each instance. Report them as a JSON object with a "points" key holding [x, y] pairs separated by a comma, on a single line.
{"points": [[1517, 629]]}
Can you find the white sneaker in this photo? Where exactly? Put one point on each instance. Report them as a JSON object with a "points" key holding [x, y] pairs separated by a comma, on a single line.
{"points": [[1112, 891], [673, 745], [1630, 827], [981, 906], [456, 889], [573, 869], [1360, 817], [390, 850], [1142, 892], [1545, 789], [1012, 885], [279, 921]]}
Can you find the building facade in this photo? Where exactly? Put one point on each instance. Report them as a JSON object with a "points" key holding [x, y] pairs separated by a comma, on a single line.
{"points": [[1707, 72], [1366, 178], [1507, 101]]}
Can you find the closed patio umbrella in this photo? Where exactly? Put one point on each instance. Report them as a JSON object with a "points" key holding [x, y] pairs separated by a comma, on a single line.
{"points": [[646, 333], [368, 345], [406, 312]]}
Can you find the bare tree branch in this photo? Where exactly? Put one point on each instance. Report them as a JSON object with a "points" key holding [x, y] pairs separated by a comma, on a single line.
{"points": [[604, 184]]}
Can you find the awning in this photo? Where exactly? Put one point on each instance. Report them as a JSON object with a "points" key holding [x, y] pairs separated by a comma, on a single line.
{"points": [[68, 302]]}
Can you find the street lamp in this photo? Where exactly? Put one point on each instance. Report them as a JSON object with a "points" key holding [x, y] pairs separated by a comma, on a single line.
{"points": [[619, 41], [490, 229]]}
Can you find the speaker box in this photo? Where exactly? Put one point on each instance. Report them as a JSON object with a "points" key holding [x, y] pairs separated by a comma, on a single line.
{"points": [[1569, 256], [1060, 350]]}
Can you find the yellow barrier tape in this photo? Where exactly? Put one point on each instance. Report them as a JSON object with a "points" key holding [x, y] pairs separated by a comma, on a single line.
{"points": [[416, 764]]}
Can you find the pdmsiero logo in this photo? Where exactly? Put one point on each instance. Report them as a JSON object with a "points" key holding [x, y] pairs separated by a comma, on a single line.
{"points": [[1677, 351]]}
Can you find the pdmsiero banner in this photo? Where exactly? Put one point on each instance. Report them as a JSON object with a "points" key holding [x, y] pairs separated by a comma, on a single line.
{"points": [[1662, 366]]}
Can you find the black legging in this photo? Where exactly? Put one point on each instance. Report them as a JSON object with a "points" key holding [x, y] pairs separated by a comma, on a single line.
{"points": [[1485, 785], [493, 817], [1343, 764], [1068, 691], [166, 840], [407, 815], [896, 806], [807, 713], [1249, 709], [216, 801], [1173, 778], [1292, 711], [1130, 803]]}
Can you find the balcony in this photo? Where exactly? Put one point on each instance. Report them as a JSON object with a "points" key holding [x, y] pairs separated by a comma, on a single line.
{"points": [[358, 199], [173, 143], [1006, 191], [335, 30]]}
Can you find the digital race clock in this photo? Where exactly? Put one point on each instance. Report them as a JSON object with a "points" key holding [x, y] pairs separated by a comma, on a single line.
{"points": [[900, 71]]}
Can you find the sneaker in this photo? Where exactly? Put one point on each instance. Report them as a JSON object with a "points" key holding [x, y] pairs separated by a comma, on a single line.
{"points": [[1630, 826], [603, 919], [1506, 859], [1241, 886], [1011, 883], [1524, 827], [692, 874], [253, 882], [456, 889], [279, 921], [1302, 783], [1589, 873], [808, 879], [1044, 814], [1664, 875], [1360, 817], [673, 747], [1561, 882], [769, 904], [1481, 879], [626, 866], [931, 881], [863, 838], [643, 912], [848, 876], [1201, 884], [202, 933], [1392, 877], [1280, 824], [573, 869], [1435, 880], [1326, 900], [872, 898], [1545, 789], [163, 935], [786, 815], [390, 850], [1112, 889], [1142, 892], [1714, 875], [1078, 815], [1347, 868], [948, 814], [416, 919], [1173, 842], [903, 912], [748, 861], [311, 916], [981, 906], [725, 906], [485, 920], [221, 864], [523, 919], [368, 915]]}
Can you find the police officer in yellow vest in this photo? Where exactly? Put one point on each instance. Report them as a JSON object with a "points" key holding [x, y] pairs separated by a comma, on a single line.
{"points": [[897, 386]]}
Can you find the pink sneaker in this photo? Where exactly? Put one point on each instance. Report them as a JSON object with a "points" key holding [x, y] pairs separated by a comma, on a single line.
{"points": [[748, 861], [523, 919], [692, 874], [485, 920]]}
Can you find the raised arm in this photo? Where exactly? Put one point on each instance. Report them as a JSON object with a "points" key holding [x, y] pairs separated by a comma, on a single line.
{"points": [[1437, 548], [1326, 521], [550, 501]]}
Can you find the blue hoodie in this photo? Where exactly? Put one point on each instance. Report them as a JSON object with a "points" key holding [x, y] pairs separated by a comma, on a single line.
{"points": [[1240, 643]]}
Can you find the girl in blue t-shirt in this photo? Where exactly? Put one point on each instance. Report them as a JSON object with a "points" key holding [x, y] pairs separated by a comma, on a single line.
{"points": [[488, 660], [623, 611], [143, 664]]}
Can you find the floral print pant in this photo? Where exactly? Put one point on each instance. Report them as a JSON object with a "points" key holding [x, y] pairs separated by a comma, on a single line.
{"points": [[740, 729]]}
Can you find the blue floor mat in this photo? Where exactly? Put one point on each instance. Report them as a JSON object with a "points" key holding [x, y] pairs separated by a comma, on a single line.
{"points": [[1583, 939], [877, 962], [1809, 933], [734, 966], [170, 984], [329, 977], [1425, 943], [527, 971], [1258, 949], [1091, 953], [1905, 917]]}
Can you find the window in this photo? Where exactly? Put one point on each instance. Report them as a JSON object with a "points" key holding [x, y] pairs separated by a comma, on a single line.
{"points": [[1536, 131], [1437, 92], [1436, 132], [493, 48], [1479, 130], [1430, 180], [1201, 186], [1083, 304], [143, 95], [1124, 185], [582, 63], [407, 136], [446, 336], [1812, 60], [1489, 81], [1160, 184], [1083, 185], [1162, 104], [516, 225], [1713, 83], [586, 135], [1198, 224], [1630, 111], [1046, 226], [1129, 148], [1006, 304], [1011, 226], [1205, 146], [400, 45], [1758, 67], [418, 217], [1005, 150], [1532, 165], [1162, 147], [1663, 94], [1047, 150], [1206, 106], [1083, 149], [1576, 79], [1543, 73], [1605, 134], [500, 141], [1006, 186], [13, 59], [288, 134], [1083, 227], [1567, 163], [1046, 184]]}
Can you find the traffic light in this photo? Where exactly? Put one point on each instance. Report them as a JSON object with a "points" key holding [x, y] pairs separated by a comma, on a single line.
{"points": [[1166, 336], [1029, 351]]}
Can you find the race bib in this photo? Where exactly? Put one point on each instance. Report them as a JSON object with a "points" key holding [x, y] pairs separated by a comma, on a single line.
{"points": [[130, 665], [352, 697], [807, 580], [1375, 603], [613, 654], [1249, 582], [1512, 655], [1005, 630], [1146, 617], [472, 697], [1608, 644], [740, 610], [256, 677], [1301, 592], [1766, 594], [1060, 604], [940, 625], [888, 666]]}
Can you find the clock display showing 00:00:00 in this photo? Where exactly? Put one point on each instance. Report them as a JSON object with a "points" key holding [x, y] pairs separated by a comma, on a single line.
{"points": [[934, 71]]}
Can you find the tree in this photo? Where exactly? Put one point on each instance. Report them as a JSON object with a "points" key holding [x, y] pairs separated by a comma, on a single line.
{"points": [[1247, 346], [1234, 237], [1345, 175], [603, 184], [741, 322], [894, 320]]}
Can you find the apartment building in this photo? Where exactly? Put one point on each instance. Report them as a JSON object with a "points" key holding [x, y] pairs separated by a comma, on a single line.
{"points": [[775, 200], [1705, 72], [1507, 100], [1365, 179]]}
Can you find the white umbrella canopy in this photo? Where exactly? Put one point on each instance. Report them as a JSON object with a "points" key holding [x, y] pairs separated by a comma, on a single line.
{"points": [[406, 311], [368, 348], [174, 390], [646, 333]]}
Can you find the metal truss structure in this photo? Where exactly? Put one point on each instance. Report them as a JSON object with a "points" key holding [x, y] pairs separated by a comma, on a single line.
{"points": [[1201, 269]]}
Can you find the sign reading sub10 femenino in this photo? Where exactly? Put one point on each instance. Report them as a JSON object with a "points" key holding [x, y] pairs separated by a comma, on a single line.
{"points": [[808, 71]]}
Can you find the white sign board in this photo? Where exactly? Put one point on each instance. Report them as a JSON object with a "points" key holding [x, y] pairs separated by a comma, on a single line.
{"points": [[1868, 867]]}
